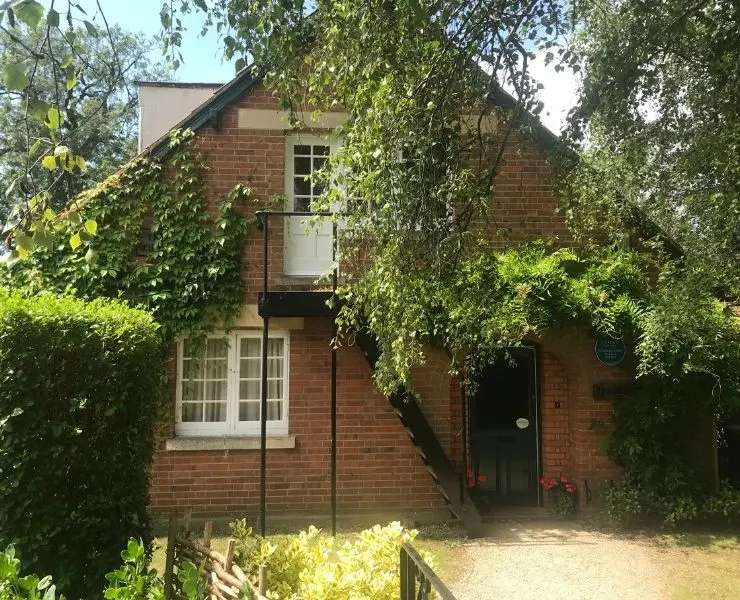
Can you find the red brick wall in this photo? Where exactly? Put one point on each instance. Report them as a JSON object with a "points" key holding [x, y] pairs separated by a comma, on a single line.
{"points": [[378, 468]]}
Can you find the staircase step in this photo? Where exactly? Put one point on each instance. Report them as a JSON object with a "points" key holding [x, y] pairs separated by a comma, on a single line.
{"points": [[442, 491]]}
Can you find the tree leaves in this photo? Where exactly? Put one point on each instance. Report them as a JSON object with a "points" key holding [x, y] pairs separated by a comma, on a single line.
{"points": [[52, 18], [29, 12], [15, 78]]}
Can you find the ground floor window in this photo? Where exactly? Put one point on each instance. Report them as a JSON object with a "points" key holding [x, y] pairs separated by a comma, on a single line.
{"points": [[219, 384]]}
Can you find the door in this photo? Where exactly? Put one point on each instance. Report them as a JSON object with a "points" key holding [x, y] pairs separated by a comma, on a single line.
{"points": [[307, 246], [504, 431]]}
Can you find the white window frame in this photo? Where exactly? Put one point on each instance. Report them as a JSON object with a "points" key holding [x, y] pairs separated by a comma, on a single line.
{"points": [[298, 139], [232, 426]]}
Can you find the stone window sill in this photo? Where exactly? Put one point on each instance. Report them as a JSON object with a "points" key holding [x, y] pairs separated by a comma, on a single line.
{"points": [[251, 442]]}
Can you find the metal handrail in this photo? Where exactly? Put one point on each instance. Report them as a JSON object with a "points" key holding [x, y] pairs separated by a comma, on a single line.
{"points": [[418, 579]]}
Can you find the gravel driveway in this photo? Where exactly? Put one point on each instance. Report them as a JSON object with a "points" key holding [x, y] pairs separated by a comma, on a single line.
{"points": [[554, 561]]}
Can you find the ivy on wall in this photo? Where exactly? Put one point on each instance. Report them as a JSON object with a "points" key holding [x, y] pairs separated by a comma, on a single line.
{"points": [[190, 276]]}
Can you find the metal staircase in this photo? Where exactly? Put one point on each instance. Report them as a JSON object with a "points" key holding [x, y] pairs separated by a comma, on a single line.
{"points": [[449, 482]]}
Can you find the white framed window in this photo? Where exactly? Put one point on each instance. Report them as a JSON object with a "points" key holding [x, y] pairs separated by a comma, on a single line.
{"points": [[219, 384]]}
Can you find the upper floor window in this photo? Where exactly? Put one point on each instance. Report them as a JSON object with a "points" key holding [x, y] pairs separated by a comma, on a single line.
{"points": [[219, 384]]}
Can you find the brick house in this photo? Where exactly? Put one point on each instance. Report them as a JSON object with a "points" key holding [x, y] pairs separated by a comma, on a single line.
{"points": [[393, 457]]}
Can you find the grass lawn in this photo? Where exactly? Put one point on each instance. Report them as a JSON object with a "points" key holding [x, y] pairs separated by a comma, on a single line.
{"points": [[701, 566]]}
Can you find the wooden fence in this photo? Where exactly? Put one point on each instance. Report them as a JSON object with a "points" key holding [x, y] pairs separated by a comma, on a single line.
{"points": [[225, 580]]}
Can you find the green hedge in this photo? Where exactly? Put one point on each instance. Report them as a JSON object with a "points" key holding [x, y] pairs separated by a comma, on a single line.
{"points": [[81, 388]]}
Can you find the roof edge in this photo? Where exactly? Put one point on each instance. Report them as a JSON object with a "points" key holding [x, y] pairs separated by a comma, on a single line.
{"points": [[208, 111]]}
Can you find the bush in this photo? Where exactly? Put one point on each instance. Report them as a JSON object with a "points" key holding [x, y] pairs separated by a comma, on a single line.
{"points": [[81, 386], [724, 508], [15, 587], [318, 567]]}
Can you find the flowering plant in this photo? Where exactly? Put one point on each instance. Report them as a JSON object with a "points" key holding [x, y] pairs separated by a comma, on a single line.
{"points": [[562, 495], [474, 480]]}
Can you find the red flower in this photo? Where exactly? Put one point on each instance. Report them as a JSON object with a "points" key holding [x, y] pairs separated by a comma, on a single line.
{"points": [[569, 488], [481, 478], [563, 479]]}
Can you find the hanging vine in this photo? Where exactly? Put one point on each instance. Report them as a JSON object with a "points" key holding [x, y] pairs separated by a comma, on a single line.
{"points": [[189, 278]]}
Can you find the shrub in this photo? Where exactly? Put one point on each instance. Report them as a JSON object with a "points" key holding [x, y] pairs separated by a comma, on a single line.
{"points": [[319, 567], [81, 385], [723, 508], [15, 587]]}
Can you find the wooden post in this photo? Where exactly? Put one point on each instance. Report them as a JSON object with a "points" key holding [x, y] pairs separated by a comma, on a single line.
{"points": [[262, 584], [186, 521], [229, 554], [207, 531], [169, 565]]}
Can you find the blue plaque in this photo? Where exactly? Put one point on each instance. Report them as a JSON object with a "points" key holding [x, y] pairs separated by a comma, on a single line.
{"points": [[609, 350]]}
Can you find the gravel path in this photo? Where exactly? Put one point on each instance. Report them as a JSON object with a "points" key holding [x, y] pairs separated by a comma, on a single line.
{"points": [[556, 561]]}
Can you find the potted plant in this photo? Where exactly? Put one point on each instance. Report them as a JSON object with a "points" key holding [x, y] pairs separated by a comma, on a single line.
{"points": [[561, 494]]}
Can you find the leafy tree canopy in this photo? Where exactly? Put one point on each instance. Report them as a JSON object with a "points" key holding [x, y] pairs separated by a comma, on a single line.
{"points": [[68, 107], [660, 118]]}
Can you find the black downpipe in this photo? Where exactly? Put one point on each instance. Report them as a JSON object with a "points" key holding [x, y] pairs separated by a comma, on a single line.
{"points": [[334, 389], [263, 394], [464, 419]]}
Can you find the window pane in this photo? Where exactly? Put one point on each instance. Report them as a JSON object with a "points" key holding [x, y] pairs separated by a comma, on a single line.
{"points": [[301, 186], [193, 368], [249, 390], [274, 411], [217, 348], [249, 411], [215, 412], [274, 367], [275, 347], [249, 368], [302, 166], [275, 389], [302, 205], [318, 163], [192, 391], [251, 347], [192, 412], [301, 149], [216, 369], [192, 348], [216, 390], [321, 150]]}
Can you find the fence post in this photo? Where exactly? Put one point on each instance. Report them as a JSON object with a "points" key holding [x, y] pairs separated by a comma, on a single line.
{"points": [[262, 584], [169, 564]]}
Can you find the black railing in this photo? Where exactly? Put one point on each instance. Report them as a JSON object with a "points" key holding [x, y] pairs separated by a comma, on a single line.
{"points": [[417, 578]]}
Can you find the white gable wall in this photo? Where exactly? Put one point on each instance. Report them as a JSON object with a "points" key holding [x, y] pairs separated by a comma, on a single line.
{"points": [[164, 105]]}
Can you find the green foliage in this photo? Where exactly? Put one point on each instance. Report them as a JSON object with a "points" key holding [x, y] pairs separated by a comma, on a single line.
{"points": [[318, 567], [133, 581], [81, 390], [68, 108], [191, 279], [656, 108], [723, 508], [27, 587], [494, 300]]}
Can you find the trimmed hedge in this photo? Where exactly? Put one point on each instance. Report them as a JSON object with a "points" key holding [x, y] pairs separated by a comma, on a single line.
{"points": [[81, 389]]}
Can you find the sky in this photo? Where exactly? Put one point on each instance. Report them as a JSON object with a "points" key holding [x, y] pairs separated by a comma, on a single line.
{"points": [[203, 61]]}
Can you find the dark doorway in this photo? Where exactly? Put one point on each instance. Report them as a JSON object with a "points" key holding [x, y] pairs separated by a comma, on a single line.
{"points": [[505, 432]]}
